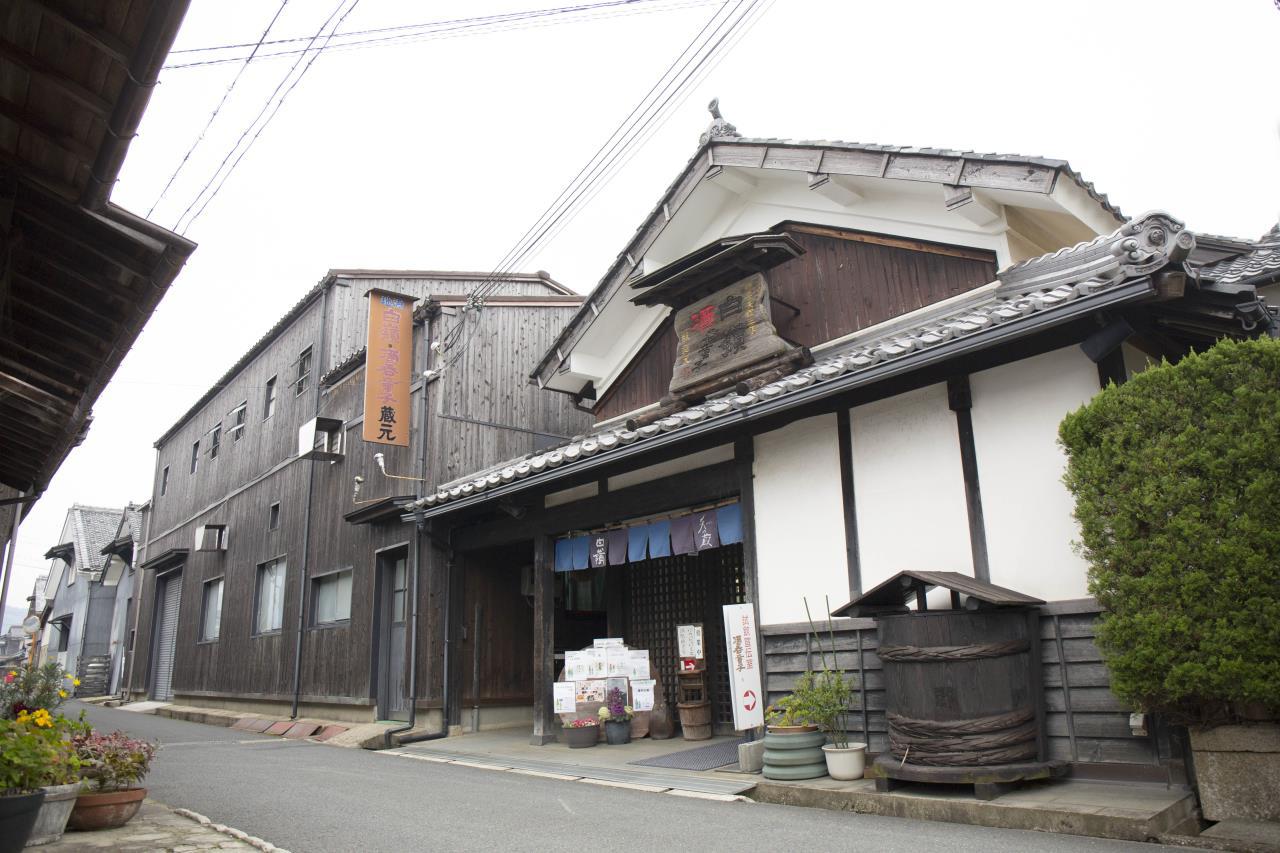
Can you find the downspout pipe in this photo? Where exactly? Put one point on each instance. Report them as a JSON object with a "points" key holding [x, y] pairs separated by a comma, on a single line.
{"points": [[319, 362], [419, 531]]}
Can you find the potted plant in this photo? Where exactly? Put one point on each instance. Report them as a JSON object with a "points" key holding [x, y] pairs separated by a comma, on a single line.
{"points": [[28, 695], [112, 764], [62, 783], [582, 733], [792, 741], [616, 715], [29, 747], [1176, 478], [830, 703]]}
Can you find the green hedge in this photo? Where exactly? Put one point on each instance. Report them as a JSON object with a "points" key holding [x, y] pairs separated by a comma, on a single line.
{"points": [[1176, 476]]}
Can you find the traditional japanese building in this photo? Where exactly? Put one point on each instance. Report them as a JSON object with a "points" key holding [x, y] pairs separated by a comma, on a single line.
{"points": [[275, 569], [817, 364]]}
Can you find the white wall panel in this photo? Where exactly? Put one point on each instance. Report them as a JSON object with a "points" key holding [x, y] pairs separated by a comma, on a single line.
{"points": [[800, 549], [909, 486], [1016, 411]]}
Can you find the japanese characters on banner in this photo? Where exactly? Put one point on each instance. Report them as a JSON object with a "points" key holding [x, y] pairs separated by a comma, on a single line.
{"points": [[388, 368], [744, 666], [684, 534]]}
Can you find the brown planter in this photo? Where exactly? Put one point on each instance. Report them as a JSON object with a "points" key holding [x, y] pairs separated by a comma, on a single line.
{"points": [[1238, 771], [106, 810]]}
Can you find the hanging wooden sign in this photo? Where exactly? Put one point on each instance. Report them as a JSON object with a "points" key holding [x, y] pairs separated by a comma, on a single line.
{"points": [[724, 332], [388, 368]]}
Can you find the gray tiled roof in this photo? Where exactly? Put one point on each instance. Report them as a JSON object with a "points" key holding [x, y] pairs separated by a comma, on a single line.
{"points": [[976, 314], [1260, 265], [92, 529]]}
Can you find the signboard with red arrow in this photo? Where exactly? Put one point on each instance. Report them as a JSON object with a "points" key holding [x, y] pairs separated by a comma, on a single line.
{"points": [[744, 666]]}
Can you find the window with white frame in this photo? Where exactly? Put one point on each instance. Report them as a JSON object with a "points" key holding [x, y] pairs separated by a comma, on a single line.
{"points": [[195, 456], [331, 598], [304, 372], [268, 608], [211, 611], [269, 399], [164, 481], [237, 421], [215, 440]]}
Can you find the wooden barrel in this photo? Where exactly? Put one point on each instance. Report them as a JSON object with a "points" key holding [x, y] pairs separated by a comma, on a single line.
{"points": [[962, 687]]}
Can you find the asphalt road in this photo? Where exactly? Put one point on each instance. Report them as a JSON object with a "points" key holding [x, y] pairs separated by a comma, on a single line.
{"points": [[310, 798]]}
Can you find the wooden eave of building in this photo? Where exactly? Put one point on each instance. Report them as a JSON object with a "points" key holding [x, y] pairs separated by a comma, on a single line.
{"points": [[381, 510], [65, 551], [713, 266], [82, 275], [961, 169], [166, 559], [893, 594]]}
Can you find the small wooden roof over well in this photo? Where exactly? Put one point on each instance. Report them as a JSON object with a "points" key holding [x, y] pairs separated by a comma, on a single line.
{"points": [[894, 593]]}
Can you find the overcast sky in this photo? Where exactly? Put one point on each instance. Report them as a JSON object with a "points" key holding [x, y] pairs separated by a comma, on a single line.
{"points": [[438, 154]]}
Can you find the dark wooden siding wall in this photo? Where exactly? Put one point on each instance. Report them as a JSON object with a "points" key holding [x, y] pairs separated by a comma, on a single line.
{"points": [[844, 282], [1086, 723], [265, 443], [247, 477], [489, 383]]}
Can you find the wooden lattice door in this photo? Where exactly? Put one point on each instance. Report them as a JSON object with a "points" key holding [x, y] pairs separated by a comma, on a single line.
{"points": [[669, 591]]}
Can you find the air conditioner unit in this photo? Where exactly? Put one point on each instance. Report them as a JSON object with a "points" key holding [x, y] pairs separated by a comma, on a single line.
{"points": [[211, 537], [320, 439]]}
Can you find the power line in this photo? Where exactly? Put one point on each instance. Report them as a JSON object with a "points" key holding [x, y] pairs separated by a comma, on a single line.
{"points": [[218, 108], [703, 52], [258, 118], [459, 27]]}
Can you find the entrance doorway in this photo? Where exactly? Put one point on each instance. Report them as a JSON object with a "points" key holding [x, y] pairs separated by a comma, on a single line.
{"points": [[392, 567], [644, 601], [168, 605]]}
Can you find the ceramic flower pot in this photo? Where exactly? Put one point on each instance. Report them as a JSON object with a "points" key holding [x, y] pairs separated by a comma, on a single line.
{"points": [[106, 810], [51, 822], [17, 819], [848, 763], [791, 755], [583, 737], [617, 732]]}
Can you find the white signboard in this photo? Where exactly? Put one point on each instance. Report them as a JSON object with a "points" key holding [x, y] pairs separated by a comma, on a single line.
{"points": [[607, 642], [642, 694], [689, 641], [744, 666], [575, 666], [638, 664], [565, 695]]}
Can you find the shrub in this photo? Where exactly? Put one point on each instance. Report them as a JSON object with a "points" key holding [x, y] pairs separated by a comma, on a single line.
{"points": [[1176, 476], [30, 688], [35, 751], [113, 762]]}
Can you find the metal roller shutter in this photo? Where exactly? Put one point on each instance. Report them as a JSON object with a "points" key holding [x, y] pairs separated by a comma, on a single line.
{"points": [[167, 638]]}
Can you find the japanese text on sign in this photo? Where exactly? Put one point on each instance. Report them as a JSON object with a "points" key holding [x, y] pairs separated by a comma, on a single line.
{"points": [[388, 368]]}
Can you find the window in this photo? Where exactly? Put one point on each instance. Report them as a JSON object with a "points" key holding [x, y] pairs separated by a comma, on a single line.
{"points": [[268, 611], [237, 421], [63, 627], [304, 372], [211, 537], [273, 516], [164, 481], [211, 612], [269, 399], [215, 440], [195, 456], [331, 598]]}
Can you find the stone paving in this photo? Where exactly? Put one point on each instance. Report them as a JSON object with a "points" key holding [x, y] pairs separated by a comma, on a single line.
{"points": [[157, 827]]}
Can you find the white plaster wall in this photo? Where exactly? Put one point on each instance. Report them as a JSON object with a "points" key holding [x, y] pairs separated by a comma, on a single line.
{"points": [[701, 459], [1016, 411], [909, 487], [800, 550]]}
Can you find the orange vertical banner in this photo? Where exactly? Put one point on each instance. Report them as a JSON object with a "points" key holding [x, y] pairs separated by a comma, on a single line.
{"points": [[388, 368]]}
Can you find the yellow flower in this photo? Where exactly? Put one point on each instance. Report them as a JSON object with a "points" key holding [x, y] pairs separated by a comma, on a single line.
{"points": [[62, 694], [76, 682]]}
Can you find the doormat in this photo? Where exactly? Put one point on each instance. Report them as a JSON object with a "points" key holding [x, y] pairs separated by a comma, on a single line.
{"points": [[702, 758]]}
